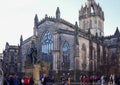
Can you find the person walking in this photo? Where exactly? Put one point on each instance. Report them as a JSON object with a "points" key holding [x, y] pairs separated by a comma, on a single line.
{"points": [[68, 79], [5, 82], [26, 81], [11, 80], [31, 81], [44, 80], [15, 80], [84, 79], [102, 80]]}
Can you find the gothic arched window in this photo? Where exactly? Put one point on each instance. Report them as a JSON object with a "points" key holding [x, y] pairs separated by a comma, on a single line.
{"points": [[47, 46], [84, 56], [92, 9], [66, 55]]}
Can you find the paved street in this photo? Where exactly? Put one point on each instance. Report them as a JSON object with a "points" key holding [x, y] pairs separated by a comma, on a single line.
{"points": [[78, 83]]}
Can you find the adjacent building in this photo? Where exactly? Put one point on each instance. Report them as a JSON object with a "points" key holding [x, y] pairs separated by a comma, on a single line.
{"points": [[11, 59]]}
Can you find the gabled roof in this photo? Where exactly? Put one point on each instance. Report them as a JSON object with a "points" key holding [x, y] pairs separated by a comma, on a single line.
{"points": [[55, 20]]}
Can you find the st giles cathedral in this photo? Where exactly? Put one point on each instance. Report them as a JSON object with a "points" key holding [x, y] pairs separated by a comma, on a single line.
{"points": [[80, 47]]}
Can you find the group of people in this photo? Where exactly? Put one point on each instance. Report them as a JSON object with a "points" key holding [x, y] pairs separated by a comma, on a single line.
{"points": [[101, 80], [15, 80], [65, 79], [46, 80]]}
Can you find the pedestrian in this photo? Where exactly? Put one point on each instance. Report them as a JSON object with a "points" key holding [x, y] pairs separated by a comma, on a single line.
{"points": [[63, 79], [15, 80], [5, 82], [26, 80], [53, 80], [102, 80], [84, 79], [68, 79], [22, 81], [11, 80], [31, 81], [44, 80]]}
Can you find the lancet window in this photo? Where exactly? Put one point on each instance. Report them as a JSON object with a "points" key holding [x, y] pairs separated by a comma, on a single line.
{"points": [[47, 46], [66, 55]]}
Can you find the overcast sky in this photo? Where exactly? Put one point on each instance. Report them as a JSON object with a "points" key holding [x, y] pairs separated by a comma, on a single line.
{"points": [[17, 16]]}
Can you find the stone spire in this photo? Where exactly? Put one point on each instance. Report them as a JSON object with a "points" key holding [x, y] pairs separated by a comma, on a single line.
{"points": [[21, 40], [57, 13], [117, 33], [76, 33], [36, 20], [7, 45]]}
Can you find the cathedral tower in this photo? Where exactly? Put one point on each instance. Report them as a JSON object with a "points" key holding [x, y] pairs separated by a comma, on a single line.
{"points": [[91, 17]]}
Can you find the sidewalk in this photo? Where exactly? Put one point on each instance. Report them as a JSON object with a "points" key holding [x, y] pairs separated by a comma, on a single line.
{"points": [[78, 83]]}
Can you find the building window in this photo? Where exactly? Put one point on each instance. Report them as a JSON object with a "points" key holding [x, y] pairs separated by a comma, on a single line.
{"points": [[66, 55], [47, 46], [92, 9]]}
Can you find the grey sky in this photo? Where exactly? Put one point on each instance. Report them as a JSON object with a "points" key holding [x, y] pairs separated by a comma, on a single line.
{"points": [[17, 16]]}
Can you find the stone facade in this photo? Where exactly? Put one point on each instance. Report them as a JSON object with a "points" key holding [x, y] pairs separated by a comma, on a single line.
{"points": [[85, 48], [69, 47]]}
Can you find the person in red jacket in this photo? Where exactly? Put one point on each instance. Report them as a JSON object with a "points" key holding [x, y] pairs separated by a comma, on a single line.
{"points": [[84, 79], [26, 81]]}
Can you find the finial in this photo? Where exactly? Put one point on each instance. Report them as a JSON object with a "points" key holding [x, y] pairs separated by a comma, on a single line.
{"points": [[76, 25], [57, 13], [36, 20], [21, 40], [46, 16]]}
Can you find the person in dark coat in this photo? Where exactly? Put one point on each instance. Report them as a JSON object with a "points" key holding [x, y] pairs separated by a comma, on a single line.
{"points": [[44, 80], [11, 80], [5, 82], [15, 80], [31, 81]]}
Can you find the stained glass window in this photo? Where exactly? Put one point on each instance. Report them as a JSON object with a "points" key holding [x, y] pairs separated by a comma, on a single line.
{"points": [[66, 55], [47, 46]]}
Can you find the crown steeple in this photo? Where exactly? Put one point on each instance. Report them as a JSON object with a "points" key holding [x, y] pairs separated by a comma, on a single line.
{"points": [[91, 17]]}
